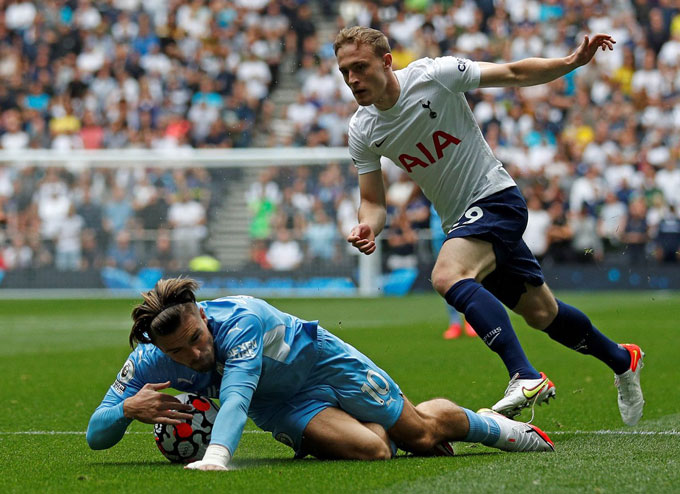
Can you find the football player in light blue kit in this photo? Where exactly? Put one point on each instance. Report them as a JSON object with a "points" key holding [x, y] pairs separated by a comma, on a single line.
{"points": [[311, 390]]}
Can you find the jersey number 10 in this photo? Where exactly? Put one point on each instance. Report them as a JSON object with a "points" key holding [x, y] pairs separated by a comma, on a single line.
{"points": [[375, 388]]}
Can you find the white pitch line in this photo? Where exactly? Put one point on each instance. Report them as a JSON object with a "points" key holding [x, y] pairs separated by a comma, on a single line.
{"points": [[577, 432], [618, 433], [81, 433]]}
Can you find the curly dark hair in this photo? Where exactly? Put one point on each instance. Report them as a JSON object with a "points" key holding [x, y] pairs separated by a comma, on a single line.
{"points": [[163, 309]]}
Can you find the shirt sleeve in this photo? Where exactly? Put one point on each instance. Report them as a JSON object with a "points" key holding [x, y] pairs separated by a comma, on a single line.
{"points": [[242, 353], [456, 74], [108, 424], [364, 159]]}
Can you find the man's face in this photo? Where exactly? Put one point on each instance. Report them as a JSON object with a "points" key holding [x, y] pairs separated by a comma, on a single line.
{"points": [[364, 72], [191, 344]]}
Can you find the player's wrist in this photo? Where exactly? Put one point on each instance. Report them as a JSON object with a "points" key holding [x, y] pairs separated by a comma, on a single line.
{"points": [[216, 454], [127, 413], [130, 411]]}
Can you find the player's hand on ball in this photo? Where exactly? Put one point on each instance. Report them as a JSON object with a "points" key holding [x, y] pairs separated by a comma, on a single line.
{"points": [[204, 465], [362, 238], [151, 407]]}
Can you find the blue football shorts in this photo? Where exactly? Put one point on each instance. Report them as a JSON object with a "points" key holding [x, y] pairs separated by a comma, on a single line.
{"points": [[501, 219], [342, 378]]}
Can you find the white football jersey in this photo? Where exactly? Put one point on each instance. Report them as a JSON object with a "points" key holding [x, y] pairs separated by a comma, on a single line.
{"points": [[432, 134]]}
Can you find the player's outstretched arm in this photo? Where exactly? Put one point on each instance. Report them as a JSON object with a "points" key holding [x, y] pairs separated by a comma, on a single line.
{"points": [[533, 71], [372, 212], [112, 417]]}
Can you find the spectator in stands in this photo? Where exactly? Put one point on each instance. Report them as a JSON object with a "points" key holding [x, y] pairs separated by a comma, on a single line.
{"points": [[284, 253], [258, 256], [117, 211], [611, 223], [329, 188], [239, 115], [585, 242], [122, 253], [288, 216], [303, 27], [68, 242], [667, 239], [13, 138], [559, 235], [162, 255], [17, 254], [53, 208], [321, 237], [91, 252], [636, 232], [588, 190], [538, 224], [187, 219], [402, 243], [302, 113]]}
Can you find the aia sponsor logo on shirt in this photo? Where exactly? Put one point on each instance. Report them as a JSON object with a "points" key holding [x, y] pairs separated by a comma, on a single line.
{"points": [[426, 155]]}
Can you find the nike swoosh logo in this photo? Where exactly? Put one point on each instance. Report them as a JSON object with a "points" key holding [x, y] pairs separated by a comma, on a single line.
{"points": [[489, 343], [530, 393], [634, 360], [378, 144]]}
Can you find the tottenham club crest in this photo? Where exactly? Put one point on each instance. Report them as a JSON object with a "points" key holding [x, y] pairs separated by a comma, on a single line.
{"points": [[433, 114]]}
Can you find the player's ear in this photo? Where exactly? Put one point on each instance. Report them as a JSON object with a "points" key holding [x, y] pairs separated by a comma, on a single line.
{"points": [[387, 61], [203, 316]]}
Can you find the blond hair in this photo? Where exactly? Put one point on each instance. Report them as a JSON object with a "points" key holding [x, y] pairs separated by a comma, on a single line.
{"points": [[360, 35], [163, 309]]}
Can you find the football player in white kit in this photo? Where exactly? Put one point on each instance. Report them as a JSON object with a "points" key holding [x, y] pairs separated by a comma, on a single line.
{"points": [[419, 118]]}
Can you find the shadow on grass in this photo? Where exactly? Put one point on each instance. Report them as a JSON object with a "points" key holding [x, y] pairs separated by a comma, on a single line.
{"points": [[141, 463], [237, 464], [243, 463]]}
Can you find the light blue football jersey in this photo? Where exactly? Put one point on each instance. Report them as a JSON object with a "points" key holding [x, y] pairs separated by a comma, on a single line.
{"points": [[262, 356]]}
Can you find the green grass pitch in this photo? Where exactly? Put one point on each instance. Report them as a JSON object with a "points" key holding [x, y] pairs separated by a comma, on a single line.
{"points": [[57, 359]]}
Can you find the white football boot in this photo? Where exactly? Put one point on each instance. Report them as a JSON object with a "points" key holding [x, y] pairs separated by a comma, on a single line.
{"points": [[518, 436], [630, 396], [522, 393]]}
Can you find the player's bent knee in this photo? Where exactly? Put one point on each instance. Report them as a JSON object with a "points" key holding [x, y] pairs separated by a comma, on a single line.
{"points": [[444, 279], [375, 450]]}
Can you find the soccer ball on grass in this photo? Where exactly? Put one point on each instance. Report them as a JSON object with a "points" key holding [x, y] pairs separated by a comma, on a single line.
{"points": [[187, 442]]}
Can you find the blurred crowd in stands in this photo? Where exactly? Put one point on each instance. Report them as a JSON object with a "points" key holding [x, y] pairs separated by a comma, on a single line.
{"points": [[596, 152]]}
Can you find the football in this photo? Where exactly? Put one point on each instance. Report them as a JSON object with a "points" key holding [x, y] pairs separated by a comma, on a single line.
{"points": [[187, 442]]}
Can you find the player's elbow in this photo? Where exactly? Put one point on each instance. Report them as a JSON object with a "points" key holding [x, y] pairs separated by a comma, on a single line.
{"points": [[99, 438], [94, 440]]}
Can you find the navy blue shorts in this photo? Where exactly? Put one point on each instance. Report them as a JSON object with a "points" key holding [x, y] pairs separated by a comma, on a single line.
{"points": [[500, 219]]}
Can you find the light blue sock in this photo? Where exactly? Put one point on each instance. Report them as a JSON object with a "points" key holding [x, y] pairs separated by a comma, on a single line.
{"points": [[483, 430]]}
